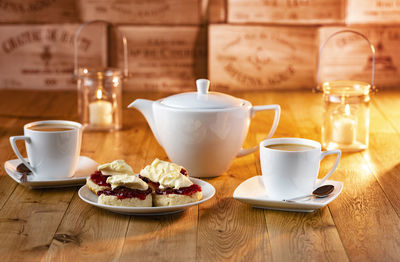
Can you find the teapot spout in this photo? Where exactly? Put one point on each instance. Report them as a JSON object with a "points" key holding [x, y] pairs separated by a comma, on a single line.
{"points": [[146, 108]]}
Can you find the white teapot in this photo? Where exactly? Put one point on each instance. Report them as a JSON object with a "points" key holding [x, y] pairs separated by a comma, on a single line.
{"points": [[202, 131]]}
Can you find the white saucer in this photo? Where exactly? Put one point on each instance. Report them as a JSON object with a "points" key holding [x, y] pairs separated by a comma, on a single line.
{"points": [[89, 197], [253, 192], [86, 166]]}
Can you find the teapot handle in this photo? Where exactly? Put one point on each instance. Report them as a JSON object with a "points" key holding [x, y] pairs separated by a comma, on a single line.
{"points": [[254, 110]]}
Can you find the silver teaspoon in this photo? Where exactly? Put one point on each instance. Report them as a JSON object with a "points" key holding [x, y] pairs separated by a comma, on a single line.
{"points": [[320, 192]]}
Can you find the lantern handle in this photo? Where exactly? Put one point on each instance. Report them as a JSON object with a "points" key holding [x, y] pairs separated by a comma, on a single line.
{"points": [[76, 36], [371, 46]]}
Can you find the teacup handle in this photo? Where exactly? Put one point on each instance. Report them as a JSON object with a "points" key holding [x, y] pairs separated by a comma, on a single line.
{"points": [[13, 139], [324, 154], [256, 109]]}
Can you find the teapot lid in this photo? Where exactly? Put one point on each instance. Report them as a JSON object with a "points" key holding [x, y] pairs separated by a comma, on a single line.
{"points": [[202, 99]]}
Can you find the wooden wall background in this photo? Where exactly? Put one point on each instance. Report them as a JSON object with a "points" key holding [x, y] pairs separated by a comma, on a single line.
{"points": [[238, 44]]}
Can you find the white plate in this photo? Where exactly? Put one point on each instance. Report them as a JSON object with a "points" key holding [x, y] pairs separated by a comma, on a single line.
{"points": [[86, 166], [253, 192], [89, 197]]}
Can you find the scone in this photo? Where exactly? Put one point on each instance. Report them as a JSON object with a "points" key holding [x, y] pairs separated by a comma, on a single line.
{"points": [[173, 197], [98, 180], [170, 183], [126, 190]]}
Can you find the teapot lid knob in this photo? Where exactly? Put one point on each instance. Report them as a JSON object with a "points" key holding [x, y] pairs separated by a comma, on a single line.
{"points": [[202, 86]]}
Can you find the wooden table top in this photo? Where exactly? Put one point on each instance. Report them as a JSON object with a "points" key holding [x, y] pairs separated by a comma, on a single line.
{"points": [[362, 224]]}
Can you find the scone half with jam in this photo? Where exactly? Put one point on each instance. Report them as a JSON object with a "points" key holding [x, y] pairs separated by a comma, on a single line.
{"points": [[170, 183], [98, 180], [126, 190]]}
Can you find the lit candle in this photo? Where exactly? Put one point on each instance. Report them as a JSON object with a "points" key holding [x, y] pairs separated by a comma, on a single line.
{"points": [[344, 128], [100, 111]]}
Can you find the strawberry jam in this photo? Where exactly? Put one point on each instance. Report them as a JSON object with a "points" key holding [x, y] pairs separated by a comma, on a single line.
{"points": [[152, 184], [122, 192], [184, 172], [187, 191], [156, 185], [99, 179]]}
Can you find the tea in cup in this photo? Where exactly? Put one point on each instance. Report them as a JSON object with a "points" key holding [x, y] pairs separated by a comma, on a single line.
{"points": [[290, 166], [53, 148]]}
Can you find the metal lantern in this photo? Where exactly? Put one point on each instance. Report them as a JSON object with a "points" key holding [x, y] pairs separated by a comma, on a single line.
{"points": [[100, 90], [346, 108]]}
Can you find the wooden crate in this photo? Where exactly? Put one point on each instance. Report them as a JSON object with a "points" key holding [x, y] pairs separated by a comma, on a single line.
{"points": [[151, 12], [373, 11], [347, 56], [213, 11], [261, 57], [165, 58], [286, 11], [41, 56], [38, 11]]}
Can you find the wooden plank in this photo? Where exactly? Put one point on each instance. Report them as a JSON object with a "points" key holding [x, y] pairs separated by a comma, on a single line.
{"points": [[348, 56], [154, 12], [7, 185], [304, 236], [159, 237], [33, 105], [383, 154], [286, 11], [373, 12], [363, 204], [386, 103], [87, 233], [37, 11], [230, 230], [41, 56], [29, 220], [261, 57], [165, 58], [364, 200]]}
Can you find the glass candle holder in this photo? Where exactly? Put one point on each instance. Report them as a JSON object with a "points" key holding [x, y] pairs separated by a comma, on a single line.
{"points": [[346, 115], [346, 106], [99, 99], [100, 90]]}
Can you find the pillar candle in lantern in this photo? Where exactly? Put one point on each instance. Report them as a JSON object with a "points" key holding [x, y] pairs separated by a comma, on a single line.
{"points": [[344, 128], [100, 111]]}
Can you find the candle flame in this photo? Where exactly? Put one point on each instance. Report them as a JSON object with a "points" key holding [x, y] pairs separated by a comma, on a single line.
{"points": [[347, 109], [115, 81], [99, 94]]}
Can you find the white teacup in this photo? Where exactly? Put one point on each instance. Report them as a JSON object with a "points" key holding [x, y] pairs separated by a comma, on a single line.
{"points": [[290, 166], [53, 148]]}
